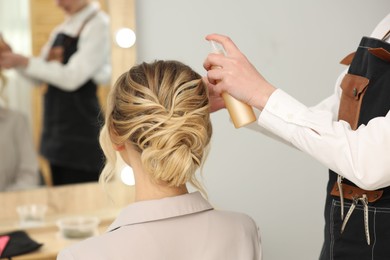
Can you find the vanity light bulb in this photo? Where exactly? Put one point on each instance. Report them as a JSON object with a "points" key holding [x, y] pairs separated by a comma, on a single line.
{"points": [[127, 176], [125, 38]]}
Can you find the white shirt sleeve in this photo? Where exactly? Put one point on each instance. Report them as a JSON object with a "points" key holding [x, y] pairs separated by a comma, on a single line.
{"points": [[362, 156], [91, 60]]}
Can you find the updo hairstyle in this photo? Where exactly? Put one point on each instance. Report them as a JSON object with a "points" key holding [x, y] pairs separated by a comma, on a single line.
{"points": [[162, 108]]}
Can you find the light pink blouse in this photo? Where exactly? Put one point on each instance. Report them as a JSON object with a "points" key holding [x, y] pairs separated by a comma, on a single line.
{"points": [[174, 228]]}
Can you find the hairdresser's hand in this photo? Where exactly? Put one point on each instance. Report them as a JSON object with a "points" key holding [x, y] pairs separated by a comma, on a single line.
{"points": [[10, 60], [216, 100], [235, 75], [3, 45]]}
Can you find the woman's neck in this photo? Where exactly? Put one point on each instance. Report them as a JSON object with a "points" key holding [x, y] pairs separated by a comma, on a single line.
{"points": [[147, 189], [75, 9]]}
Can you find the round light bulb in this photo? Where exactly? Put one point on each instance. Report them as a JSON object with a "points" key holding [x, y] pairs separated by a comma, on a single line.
{"points": [[127, 176], [125, 37]]}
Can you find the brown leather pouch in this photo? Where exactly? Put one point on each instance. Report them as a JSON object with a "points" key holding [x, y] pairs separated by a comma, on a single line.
{"points": [[353, 89], [56, 54], [351, 192]]}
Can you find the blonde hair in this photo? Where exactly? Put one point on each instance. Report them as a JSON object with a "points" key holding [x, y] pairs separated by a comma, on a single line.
{"points": [[162, 108]]}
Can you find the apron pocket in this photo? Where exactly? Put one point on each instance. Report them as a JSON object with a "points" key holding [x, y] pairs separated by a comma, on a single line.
{"points": [[352, 244], [353, 89]]}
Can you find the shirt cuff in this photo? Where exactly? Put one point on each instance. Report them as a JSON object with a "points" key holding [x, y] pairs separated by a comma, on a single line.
{"points": [[33, 68], [282, 114]]}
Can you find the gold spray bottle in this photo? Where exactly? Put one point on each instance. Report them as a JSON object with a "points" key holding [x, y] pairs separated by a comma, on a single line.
{"points": [[240, 113]]}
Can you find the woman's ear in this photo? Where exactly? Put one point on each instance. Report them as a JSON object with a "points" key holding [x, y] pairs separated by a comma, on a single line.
{"points": [[113, 138], [118, 147]]}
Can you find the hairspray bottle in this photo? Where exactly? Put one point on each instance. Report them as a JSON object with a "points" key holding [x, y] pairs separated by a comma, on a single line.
{"points": [[240, 113]]}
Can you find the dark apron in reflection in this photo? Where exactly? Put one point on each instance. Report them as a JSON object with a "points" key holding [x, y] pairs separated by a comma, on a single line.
{"points": [[72, 121]]}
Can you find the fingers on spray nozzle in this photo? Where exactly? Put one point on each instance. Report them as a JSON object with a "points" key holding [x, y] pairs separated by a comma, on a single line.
{"points": [[217, 47]]}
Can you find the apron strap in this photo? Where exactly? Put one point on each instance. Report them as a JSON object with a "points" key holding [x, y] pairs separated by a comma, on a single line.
{"points": [[86, 21], [387, 35], [348, 59]]}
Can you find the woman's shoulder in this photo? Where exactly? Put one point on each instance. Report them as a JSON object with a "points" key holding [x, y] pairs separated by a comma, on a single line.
{"points": [[11, 115], [234, 220], [86, 249]]}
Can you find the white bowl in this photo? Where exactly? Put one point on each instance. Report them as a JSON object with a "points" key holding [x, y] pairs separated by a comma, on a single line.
{"points": [[31, 214], [78, 226]]}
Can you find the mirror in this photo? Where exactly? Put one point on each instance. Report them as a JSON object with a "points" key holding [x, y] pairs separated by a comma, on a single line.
{"points": [[26, 25]]}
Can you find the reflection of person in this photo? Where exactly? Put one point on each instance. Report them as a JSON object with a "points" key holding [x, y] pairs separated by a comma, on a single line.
{"points": [[354, 144], [75, 59], [18, 159], [158, 119]]}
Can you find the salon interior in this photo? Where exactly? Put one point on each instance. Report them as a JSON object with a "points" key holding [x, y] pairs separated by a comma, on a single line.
{"points": [[54, 217], [244, 171]]}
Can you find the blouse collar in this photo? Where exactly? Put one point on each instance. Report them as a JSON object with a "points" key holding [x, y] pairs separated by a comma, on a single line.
{"points": [[153, 210]]}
